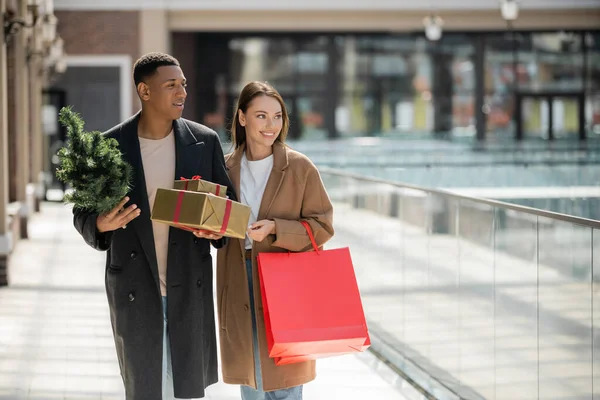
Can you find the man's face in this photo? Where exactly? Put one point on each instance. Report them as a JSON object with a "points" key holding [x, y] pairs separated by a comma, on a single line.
{"points": [[164, 92]]}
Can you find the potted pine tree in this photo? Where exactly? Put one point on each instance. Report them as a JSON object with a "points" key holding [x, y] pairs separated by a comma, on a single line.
{"points": [[93, 166]]}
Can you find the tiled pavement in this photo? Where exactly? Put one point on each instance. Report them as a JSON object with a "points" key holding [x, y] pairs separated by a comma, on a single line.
{"points": [[56, 340]]}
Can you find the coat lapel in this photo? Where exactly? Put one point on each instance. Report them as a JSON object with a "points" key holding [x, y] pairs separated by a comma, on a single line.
{"points": [[187, 162], [186, 165], [280, 163], [130, 146]]}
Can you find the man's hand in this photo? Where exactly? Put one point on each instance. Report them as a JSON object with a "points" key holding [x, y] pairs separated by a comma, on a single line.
{"points": [[117, 217], [202, 234], [259, 230]]}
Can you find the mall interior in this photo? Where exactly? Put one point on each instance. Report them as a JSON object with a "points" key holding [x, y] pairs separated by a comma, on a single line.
{"points": [[459, 143]]}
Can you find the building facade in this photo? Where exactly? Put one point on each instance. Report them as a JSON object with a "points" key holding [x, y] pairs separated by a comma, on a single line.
{"points": [[30, 56], [350, 69], [347, 69]]}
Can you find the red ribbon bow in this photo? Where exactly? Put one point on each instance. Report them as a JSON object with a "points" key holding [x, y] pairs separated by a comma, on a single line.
{"points": [[194, 178], [197, 178]]}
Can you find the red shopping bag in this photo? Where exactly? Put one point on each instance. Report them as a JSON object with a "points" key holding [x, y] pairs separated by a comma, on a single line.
{"points": [[311, 304]]}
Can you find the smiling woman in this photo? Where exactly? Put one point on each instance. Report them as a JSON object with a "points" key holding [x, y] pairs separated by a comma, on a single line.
{"points": [[284, 190], [263, 121], [260, 120]]}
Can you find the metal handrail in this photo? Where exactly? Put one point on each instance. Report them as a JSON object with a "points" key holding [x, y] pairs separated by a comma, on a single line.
{"points": [[591, 223], [588, 147], [434, 164]]}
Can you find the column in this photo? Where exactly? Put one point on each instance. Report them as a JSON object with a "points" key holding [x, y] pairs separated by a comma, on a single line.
{"points": [[154, 31], [35, 176], [332, 94], [5, 237], [480, 116], [22, 119], [442, 93]]}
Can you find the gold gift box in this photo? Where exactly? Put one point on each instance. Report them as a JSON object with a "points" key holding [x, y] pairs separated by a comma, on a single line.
{"points": [[199, 185], [200, 211]]}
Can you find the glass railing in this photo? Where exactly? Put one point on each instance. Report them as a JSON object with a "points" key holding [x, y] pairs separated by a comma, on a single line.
{"points": [[364, 152], [562, 177], [472, 298], [486, 175], [566, 189]]}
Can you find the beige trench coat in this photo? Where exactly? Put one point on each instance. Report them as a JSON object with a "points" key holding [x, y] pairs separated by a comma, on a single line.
{"points": [[294, 192]]}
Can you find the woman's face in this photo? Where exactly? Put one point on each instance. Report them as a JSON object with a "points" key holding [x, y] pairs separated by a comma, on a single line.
{"points": [[263, 121]]}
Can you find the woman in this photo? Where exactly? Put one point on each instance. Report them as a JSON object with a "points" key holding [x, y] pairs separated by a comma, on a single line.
{"points": [[282, 187]]}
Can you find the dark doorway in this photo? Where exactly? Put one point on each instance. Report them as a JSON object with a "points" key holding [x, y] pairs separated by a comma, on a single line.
{"points": [[550, 116]]}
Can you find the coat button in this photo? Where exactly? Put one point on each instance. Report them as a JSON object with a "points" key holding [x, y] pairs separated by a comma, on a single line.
{"points": [[133, 255], [195, 240], [199, 283], [131, 297]]}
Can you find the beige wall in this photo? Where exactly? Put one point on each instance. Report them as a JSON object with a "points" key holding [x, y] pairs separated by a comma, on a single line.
{"points": [[140, 32], [318, 5], [4, 165], [385, 21], [22, 132], [154, 31]]}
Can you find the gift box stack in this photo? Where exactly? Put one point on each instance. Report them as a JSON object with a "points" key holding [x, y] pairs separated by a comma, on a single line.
{"points": [[196, 204]]}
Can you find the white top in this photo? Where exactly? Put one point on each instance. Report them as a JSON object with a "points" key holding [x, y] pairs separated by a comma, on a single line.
{"points": [[158, 159], [254, 176]]}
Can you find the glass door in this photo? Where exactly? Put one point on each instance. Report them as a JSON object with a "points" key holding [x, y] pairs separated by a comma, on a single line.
{"points": [[550, 116], [565, 117], [535, 117]]}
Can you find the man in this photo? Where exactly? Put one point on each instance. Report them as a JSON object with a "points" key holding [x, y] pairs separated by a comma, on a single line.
{"points": [[154, 271]]}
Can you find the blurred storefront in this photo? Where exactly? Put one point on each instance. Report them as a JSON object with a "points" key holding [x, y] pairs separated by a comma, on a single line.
{"points": [[470, 69], [532, 85]]}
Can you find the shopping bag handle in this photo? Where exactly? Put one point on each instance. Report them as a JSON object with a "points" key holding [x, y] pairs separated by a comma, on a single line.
{"points": [[310, 235]]}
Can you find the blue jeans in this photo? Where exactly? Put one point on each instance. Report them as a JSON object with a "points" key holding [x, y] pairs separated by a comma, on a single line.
{"points": [[248, 393]]}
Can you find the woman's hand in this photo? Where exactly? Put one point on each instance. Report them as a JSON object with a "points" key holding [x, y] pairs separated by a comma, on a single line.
{"points": [[259, 230]]}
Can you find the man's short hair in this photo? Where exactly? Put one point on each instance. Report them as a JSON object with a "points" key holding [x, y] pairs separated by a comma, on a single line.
{"points": [[147, 65]]}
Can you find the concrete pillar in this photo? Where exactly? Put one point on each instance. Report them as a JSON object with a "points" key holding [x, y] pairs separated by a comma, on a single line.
{"points": [[154, 31], [41, 179], [5, 233], [35, 97], [22, 119]]}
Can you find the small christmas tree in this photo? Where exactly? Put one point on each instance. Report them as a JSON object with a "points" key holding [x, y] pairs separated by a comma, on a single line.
{"points": [[92, 165]]}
